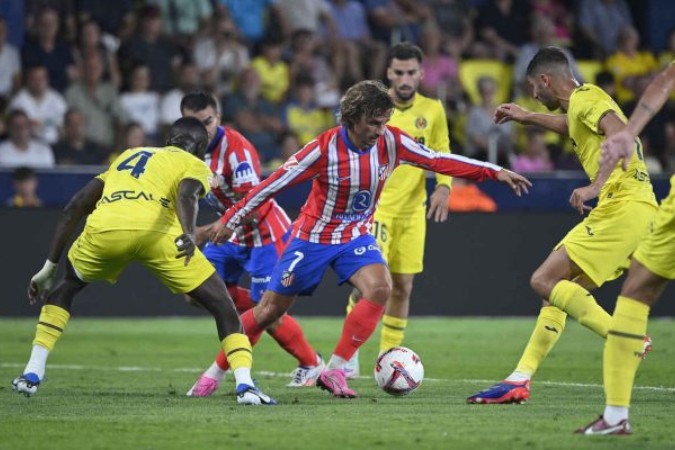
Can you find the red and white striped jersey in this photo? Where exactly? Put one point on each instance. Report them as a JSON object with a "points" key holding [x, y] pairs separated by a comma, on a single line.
{"points": [[347, 181], [235, 160]]}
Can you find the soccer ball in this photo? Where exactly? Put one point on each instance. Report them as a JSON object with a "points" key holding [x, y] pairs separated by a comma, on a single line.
{"points": [[399, 371]]}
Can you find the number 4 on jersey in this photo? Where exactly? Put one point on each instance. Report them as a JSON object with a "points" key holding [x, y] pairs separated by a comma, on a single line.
{"points": [[137, 169]]}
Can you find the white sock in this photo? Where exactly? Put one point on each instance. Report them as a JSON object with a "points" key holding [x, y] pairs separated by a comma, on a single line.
{"points": [[215, 372], [38, 360], [615, 414], [336, 362], [518, 377], [243, 376]]}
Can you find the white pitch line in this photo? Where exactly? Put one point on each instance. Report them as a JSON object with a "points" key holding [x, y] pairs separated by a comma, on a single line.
{"points": [[283, 374]]}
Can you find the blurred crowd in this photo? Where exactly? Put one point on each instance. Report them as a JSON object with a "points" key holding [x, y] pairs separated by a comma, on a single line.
{"points": [[83, 79]]}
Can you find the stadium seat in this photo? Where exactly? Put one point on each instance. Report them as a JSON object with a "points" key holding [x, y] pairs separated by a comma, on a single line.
{"points": [[472, 69], [589, 68]]}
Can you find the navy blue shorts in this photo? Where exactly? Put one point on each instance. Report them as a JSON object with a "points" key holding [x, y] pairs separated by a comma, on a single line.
{"points": [[303, 264]]}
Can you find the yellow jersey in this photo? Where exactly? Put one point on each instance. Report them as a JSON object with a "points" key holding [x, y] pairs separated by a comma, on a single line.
{"points": [[405, 191], [141, 189], [588, 104]]}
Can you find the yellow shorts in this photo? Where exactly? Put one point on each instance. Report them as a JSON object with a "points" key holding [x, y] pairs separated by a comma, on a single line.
{"points": [[657, 250], [103, 256], [602, 244], [401, 240]]}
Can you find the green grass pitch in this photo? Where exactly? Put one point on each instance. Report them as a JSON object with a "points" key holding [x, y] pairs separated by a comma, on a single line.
{"points": [[120, 384]]}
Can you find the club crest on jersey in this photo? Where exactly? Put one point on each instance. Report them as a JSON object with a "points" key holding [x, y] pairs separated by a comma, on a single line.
{"points": [[361, 201], [244, 174], [287, 278], [382, 172], [421, 123]]}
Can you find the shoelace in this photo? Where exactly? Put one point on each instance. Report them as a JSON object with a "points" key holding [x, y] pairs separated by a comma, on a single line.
{"points": [[300, 374]]}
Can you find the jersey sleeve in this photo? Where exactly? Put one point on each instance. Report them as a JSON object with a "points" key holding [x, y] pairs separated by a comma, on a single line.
{"points": [[196, 169], [302, 166], [413, 153], [242, 168], [440, 140], [591, 107]]}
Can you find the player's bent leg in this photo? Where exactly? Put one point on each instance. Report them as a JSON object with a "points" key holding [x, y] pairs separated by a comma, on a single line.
{"points": [[374, 282], [53, 319]]}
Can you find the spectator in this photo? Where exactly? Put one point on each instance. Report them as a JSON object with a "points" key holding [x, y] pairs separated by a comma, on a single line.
{"points": [[393, 21], [141, 104], [20, 149], [183, 19], [150, 48], [633, 69], [307, 60], [302, 116], [24, 183], [536, 157], [169, 107], [74, 148], [555, 11], [256, 17], [467, 197], [308, 15], [90, 41], [272, 70], [113, 17], [502, 27], [45, 49], [220, 57], [440, 70], [543, 35], [134, 136], [97, 101], [481, 129], [44, 106], [254, 116], [14, 13], [358, 49], [606, 81], [454, 20], [10, 64], [288, 145], [600, 22]]}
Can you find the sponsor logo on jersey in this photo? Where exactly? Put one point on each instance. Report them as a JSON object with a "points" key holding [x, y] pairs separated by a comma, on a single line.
{"points": [[287, 278], [265, 279], [132, 195], [421, 123], [361, 201], [244, 174]]}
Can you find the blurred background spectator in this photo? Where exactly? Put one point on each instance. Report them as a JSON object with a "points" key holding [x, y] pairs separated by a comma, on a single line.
{"points": [[140, 104], [74, 148], [20, 149], [10, 64], [302, 115], [633, 69], [600, 22], [169, 107], [24, 184], [535, 157]]}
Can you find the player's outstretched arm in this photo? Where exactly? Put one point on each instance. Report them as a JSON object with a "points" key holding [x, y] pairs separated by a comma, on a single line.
{"points": [[511, 112], [79, 206], [517, 182], [621, 145], [187, 206]]}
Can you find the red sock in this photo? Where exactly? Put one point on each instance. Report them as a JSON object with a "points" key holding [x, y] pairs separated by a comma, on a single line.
{"points": [[252, 330], [290, 337], [358, 327], [241, 297]]}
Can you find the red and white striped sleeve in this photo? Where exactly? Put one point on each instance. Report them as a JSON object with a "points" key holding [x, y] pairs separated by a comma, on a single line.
{"points": [[302, 166], [413, 153]]}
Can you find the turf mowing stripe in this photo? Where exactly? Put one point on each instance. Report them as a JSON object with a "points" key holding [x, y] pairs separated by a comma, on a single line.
{"points": [[283, 374]]}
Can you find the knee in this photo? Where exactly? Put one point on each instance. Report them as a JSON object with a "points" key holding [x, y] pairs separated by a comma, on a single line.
{"points": [[267, 313], [541, 283], [378, 292]]}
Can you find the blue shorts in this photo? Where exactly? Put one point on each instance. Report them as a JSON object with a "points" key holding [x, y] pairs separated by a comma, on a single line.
{"points": [[231, 260], [302, 264]]}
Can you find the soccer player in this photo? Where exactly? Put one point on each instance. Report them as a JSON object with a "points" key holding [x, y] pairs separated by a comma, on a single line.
{"points": [[255, 245], [399, 224], [597, 249], [652, 267], [143, 208], [349, 165]]}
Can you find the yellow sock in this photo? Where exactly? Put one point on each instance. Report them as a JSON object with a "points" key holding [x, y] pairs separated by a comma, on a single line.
{"points": [[350, 304], [393, 329], [238, 351], [623, 350], [52, 322], [550, 325], [580, 304]]}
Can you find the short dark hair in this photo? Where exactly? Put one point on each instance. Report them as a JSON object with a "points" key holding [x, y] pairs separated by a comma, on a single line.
{"points": [[365, 98], [548, 59], [405, 51], [198, 100], [189, 134], [604, 78], [13, 114], [23, 173]]}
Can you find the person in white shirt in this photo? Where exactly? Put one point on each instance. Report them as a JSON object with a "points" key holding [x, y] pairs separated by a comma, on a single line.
{"points": [[20, 149], [188, 80], [44, 106], [140, 104], [10, 64]]}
